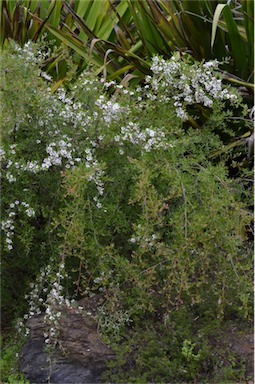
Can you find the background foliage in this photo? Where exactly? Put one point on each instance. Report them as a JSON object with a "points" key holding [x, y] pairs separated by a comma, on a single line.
{"points": [[121, 37]]}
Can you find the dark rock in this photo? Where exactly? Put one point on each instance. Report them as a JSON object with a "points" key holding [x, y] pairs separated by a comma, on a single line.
{"points": [[34, 361], [80, 356]]}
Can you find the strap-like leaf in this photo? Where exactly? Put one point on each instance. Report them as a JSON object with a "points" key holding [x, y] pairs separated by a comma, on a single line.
{"points": [[237, 43], [216, 18], [105, 58]]}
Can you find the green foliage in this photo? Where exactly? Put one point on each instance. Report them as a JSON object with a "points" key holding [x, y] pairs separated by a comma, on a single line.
{"points": [[184, 349], [239, 34], [150, 28], [113, 192], [9, 366], [120, 38], [78, 21], [29, 122]]}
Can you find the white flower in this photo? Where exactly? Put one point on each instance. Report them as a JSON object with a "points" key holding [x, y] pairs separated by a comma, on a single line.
{"points": [[30, 212], [2, 153], [89, 157], [150, 132], [181, 114], [10, 177]]}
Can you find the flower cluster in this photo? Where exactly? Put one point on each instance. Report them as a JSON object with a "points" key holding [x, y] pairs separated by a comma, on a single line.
{"points": [[147, 138], [46, 296], [72, 111], [55, 299], [58, 151], [77, 113], [8, 225], [187, 84], [95, 175], [26, 51], [101, 281], [144, 239], [111, 110]]}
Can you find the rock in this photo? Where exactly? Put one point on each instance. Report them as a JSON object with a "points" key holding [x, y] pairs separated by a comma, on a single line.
{"points": [[80, 356]]}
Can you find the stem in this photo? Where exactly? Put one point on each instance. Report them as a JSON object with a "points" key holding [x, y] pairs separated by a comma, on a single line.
{"points": [[185, 213]]}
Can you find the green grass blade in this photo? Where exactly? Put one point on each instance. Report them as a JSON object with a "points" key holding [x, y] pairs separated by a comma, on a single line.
{"points": [[148, 32]]}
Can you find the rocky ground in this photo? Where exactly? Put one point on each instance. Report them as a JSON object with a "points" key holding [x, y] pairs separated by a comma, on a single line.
{"points": [[81, 356]]}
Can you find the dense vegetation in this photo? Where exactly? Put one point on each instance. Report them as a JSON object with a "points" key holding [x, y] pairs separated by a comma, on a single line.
{"points": [[139, 189]]}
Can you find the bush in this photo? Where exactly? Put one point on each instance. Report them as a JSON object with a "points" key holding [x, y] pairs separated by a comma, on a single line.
{"points": [[9, 360], [110, 191]]}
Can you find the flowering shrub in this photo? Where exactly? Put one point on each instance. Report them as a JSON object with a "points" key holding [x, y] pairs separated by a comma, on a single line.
{"points": [[108, 185], [189, 84], [47, 296]]}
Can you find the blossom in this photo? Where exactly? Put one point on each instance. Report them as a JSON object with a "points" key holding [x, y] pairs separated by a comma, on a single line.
{"points": [[187, 84], [147, 138], [111, 110]]}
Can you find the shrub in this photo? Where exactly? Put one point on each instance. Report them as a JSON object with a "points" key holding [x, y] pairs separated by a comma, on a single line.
{"points": [[118, 194], [35, 148]]}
